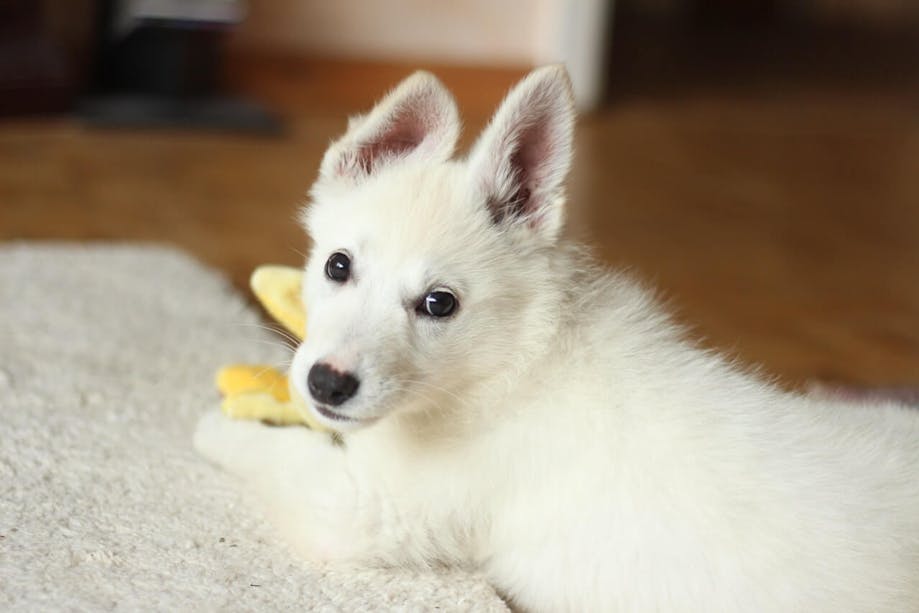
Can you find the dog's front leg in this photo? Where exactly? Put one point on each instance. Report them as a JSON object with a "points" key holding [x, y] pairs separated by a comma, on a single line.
{"points": [[305, 481]]}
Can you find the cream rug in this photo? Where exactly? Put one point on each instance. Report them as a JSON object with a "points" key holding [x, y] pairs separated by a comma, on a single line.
{"points": [[107, 355]]}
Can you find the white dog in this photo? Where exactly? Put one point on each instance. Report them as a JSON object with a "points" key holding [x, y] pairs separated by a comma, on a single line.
{"points": [[509, 406]]}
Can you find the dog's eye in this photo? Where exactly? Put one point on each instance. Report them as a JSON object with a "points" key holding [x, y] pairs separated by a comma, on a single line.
{"points": [[338, 267], [438, 304]]}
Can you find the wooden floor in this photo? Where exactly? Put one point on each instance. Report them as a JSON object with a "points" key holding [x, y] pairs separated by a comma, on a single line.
{"points": [[779, 217]]}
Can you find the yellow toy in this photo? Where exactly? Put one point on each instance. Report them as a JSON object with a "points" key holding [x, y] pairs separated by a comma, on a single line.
{"points": [[260, 392]]}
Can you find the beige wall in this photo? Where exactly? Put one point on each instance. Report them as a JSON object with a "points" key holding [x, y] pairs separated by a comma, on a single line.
{"points": [[465, 31]]}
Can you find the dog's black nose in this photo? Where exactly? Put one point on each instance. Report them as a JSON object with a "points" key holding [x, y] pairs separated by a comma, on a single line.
{"points": [[329, 386]]}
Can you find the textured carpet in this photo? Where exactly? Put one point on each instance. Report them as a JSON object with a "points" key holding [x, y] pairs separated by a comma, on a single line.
{"points": [[107, 355]]}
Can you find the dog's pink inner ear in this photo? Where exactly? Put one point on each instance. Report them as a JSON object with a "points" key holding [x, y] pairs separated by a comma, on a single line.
{"points": [[401, 131], [521, 160], [526, 170], [404, 132]]}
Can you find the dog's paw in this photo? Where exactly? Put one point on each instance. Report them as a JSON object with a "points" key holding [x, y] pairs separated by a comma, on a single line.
{"points": [[218, 438], [207, 434]]}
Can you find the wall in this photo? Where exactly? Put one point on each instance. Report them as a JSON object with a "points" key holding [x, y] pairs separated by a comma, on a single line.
{"points": [[468, 32]]}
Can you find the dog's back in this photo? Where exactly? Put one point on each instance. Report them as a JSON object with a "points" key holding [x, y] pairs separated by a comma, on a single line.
{"points": [[661, 477]]}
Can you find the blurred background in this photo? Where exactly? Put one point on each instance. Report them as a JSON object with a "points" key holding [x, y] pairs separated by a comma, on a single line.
{"points": [[757, 161]]}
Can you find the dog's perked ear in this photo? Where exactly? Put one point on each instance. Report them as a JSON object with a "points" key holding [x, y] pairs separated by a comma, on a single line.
{"points": [[520, 162], [417, 118]]}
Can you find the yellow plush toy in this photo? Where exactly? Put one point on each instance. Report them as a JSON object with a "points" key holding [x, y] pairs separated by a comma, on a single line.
{"points": [[260, 392]]}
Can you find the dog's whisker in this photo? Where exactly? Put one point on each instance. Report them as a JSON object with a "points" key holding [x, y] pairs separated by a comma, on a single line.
{"points": [[288, 350], [282, 368], [271, 341], [280, 331], [428, 404], [440, 389]]}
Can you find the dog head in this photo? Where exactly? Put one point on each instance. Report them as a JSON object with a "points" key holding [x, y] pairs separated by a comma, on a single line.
{"points": [[430, 277]]}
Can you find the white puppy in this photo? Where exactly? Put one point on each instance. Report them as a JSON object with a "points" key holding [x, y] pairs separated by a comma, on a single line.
{"points": [[509, 406]]}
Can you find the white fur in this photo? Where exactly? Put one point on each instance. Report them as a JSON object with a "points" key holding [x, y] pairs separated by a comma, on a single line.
{"points": [[558, 432]]}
